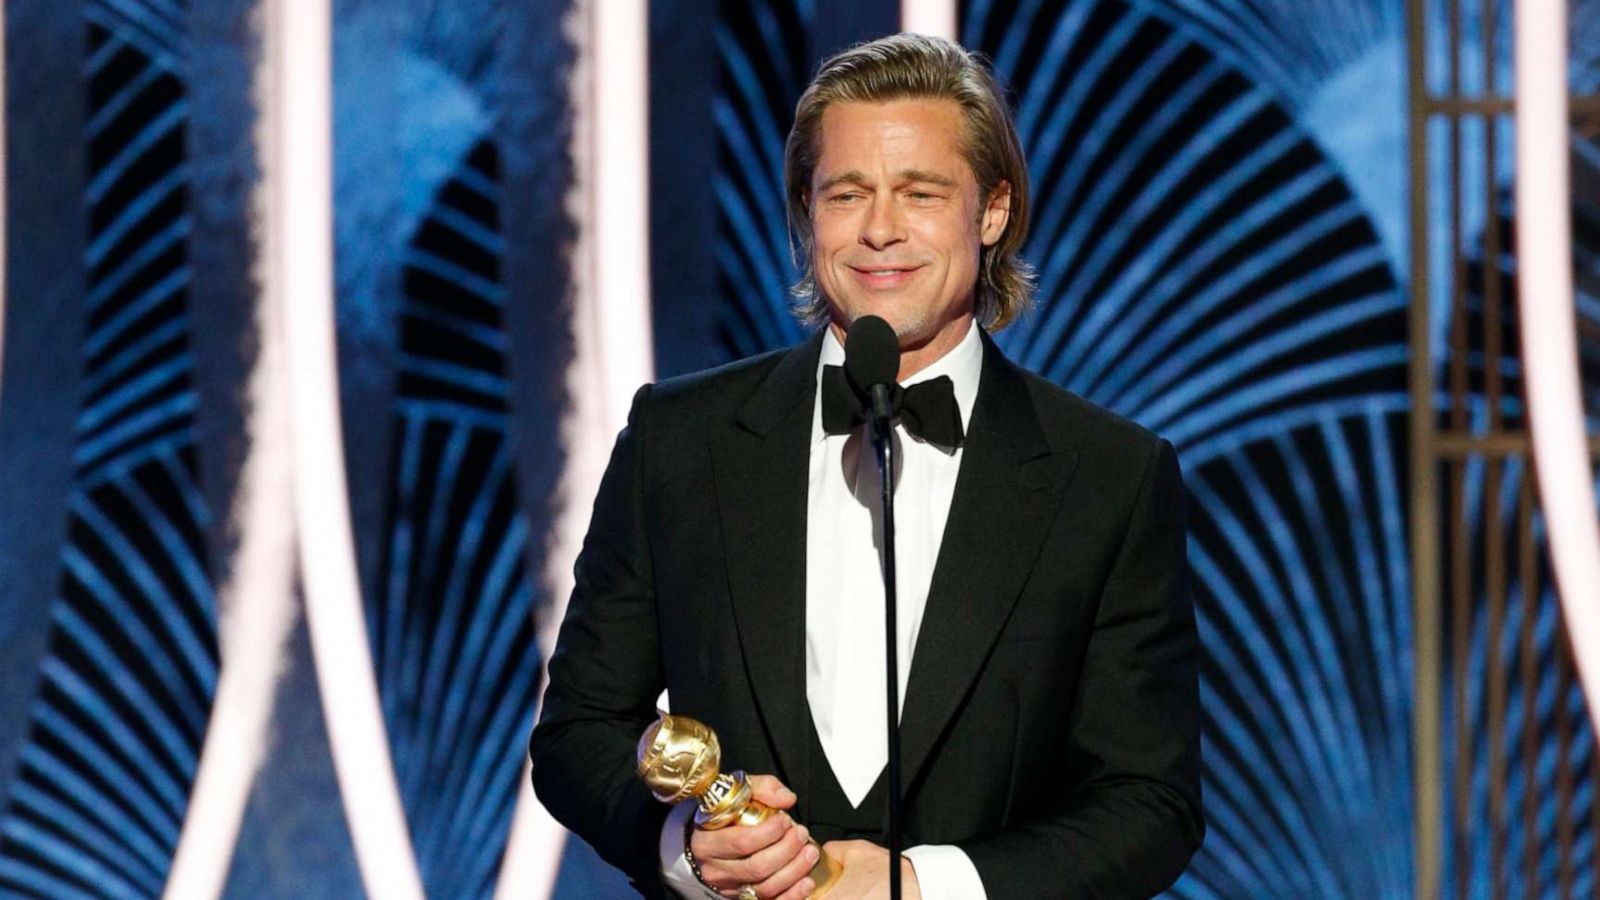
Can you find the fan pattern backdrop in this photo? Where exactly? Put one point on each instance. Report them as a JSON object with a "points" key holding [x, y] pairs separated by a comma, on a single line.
{"points": [[764, 59], [423, 309], [1219, 239], [98, 799], [1221, 242], [1205, 270], [452, 620]]}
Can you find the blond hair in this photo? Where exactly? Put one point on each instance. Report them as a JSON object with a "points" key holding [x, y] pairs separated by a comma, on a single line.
{"points": [[914, 66]]}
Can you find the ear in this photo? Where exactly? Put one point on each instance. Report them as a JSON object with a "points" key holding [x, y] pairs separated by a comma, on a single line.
{"points": [[996, 213]]}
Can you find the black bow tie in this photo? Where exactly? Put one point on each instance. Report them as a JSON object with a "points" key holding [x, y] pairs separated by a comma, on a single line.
{"points": [[928, 409]]}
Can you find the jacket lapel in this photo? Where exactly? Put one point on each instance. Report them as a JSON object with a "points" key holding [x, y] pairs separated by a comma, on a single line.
{"points": [[760, 461], [1002, 509]]}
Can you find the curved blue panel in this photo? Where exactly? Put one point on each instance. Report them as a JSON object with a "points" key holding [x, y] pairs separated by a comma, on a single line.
{"points": [[451, 621], [1293, 52], [97, 804], [1480, 269], [452, 146], [1302, 586], [155, 28], [1545, 723], [1205, 269], [764, 62], [1549, 727], [1586, 258], [1201, 265]]}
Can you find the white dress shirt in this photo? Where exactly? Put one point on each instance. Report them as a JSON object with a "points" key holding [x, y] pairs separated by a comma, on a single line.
{"points": [[844, 605]]}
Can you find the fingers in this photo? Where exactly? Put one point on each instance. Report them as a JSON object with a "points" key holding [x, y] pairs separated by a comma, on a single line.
{"points": [[769, 790], [748, 854], [800, 891], [790, 882], [777, 867], [773, 855], [738, 841]]}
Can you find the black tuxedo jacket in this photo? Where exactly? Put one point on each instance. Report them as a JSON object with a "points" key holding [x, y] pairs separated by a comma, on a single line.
{"points": [[1050, 727]]}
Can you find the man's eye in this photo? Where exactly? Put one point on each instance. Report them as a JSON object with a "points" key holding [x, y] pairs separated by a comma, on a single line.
{"points": [[846, 198]]}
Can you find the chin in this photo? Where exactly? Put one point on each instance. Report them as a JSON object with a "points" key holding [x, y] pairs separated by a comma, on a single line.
{"points": [[902, 322], [910, 332]]}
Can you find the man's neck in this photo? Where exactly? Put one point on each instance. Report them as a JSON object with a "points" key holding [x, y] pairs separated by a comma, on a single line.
{"points": [[915, 359]]}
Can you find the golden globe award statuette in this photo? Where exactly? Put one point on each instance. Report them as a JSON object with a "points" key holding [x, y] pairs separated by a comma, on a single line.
{"points": [[679, 758]]}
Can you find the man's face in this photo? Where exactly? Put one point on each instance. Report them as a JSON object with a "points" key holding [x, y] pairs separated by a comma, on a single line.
{"points": [[897, 219]]}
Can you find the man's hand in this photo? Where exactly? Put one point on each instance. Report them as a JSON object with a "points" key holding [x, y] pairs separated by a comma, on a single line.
{"points": [[773, 856], [866, 872]]}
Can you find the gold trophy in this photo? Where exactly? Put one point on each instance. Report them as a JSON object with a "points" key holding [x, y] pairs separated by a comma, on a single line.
{"points": [[679, 758]]}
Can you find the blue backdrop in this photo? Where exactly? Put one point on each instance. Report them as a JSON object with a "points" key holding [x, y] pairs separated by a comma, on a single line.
{"points": [[1221, 237]]}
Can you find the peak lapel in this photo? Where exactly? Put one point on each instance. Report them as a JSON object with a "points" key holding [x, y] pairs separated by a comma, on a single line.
{"points": [[1002, 509], [760, 461]]}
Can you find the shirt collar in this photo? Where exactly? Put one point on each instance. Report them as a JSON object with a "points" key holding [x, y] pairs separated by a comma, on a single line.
{"points": [[964, 365]]}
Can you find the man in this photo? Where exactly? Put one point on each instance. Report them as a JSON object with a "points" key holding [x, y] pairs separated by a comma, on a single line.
{"points": [[1049, 716]]}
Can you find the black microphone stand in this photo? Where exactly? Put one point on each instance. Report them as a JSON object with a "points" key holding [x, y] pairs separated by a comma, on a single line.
{"points": [[883, 443]]}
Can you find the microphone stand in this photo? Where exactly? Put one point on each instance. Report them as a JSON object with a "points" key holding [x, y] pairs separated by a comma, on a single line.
{"points": [[883, 444]]}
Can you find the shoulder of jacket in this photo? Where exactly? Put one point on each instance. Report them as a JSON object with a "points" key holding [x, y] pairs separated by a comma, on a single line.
{"points": [[716, 391]]}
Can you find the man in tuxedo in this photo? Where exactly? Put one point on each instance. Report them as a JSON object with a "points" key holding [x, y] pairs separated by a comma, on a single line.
{"points": [[1050, 719]]}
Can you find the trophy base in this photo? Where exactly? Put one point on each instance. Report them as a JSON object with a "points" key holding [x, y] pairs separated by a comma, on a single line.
{"points": [[825, 874]]}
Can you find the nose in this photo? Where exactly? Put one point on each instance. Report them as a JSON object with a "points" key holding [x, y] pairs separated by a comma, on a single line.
{"points": [[882, 227]]}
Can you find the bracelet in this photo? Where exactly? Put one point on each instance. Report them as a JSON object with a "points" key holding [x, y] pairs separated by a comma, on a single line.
{"points": [[688, 854]]}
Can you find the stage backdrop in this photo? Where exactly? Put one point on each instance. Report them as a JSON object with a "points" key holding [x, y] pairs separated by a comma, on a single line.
{"points": [[1221, 233]]}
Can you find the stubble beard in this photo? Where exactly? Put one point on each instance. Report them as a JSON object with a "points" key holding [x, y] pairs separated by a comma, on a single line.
{"points": [[910, 324]]}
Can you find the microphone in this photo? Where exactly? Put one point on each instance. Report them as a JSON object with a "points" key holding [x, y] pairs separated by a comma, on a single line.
{"points": [[872, 365]]}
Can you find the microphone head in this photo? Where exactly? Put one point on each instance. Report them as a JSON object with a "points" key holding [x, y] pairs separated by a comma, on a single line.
{"points": [[871, 353]]}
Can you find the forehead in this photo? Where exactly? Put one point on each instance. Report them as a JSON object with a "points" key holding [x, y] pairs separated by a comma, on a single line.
{"points": [[919, 133]]}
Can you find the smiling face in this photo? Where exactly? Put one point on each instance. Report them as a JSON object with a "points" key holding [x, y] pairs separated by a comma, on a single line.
{"points": [[898, 222]]}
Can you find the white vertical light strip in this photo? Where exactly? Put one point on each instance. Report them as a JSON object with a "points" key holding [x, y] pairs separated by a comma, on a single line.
{"points": [[256, 601], [299, 172], [612, 340], [1549, 328], [621, 196], [613, 349], [936, 18]]}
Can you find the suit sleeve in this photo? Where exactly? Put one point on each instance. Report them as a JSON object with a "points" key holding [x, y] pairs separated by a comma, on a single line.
{"points": [[605, 676], [1131, 826]]}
